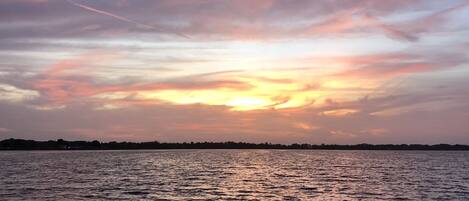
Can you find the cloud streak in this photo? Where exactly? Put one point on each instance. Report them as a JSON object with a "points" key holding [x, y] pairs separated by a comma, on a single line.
{"points": [[71, 79]]}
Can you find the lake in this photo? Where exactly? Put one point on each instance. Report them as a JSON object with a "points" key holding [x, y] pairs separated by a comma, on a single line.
{"points": [[234, 175]]}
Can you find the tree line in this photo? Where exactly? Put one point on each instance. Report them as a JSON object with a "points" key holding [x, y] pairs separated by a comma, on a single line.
{"points": [[60, 144]]}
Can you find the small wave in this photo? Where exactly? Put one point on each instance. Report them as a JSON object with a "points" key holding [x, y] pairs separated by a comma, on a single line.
{"points": [[136, 193]]}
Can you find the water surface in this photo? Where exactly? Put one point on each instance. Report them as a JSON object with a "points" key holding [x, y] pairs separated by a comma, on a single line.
{"points": [[234, 175]]}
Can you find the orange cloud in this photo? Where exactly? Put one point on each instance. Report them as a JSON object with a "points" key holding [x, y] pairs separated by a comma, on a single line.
{"points": [[74, 79], [392, 71], [305, 126], [375, 131], [392, 65], [339, 112], [71, 79]]}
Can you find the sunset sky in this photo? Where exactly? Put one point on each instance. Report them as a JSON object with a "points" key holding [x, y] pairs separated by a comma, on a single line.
{"points": [[281, 71]]}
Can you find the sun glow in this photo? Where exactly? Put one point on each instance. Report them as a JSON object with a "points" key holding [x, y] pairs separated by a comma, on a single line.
{"points": [[263, 91], [248, 103]]}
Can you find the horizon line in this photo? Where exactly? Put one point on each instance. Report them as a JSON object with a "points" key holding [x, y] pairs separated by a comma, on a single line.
{"points": [[228, 141], [60, 144]]}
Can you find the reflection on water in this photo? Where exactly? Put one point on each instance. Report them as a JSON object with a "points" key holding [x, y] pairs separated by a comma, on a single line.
{"points": [[234, 175]]}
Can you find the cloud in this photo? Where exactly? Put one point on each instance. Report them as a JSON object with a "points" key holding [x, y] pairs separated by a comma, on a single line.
{"points": [[390, 30], [155, 122], [389, 70], [376, 131], [73, 79], [339, 112], [338, 23], [270, 80], [393, 65], [201, 20], [199, 122], [410, 30], [14, 94]]}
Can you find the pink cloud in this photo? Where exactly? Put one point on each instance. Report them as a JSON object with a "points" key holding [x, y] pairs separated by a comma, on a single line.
{"points": [[393, 65], [391, 71], [73, 79]]}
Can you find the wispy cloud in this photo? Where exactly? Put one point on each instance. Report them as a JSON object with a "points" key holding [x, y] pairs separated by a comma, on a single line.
{"points": [[73, 79], [390, 30], [393, 65], [410, 30]]}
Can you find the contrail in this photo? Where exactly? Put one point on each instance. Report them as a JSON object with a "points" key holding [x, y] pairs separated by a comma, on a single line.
{"points": [[119, 17]]}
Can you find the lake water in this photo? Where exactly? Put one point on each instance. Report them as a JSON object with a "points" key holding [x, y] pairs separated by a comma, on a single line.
{"points": [[234, 175]]}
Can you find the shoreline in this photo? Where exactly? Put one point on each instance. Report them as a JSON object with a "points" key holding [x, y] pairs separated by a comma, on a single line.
{"points": [[60, 144]]}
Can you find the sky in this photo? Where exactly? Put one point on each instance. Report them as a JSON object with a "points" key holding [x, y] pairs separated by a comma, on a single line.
{"points": [[280, 71]]}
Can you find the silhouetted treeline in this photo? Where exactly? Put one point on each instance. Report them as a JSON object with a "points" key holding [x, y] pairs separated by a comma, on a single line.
{"points": [[20, 144]]}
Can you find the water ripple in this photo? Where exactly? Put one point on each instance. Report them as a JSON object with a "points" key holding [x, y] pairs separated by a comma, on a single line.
{"points": [[234, 175]]}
